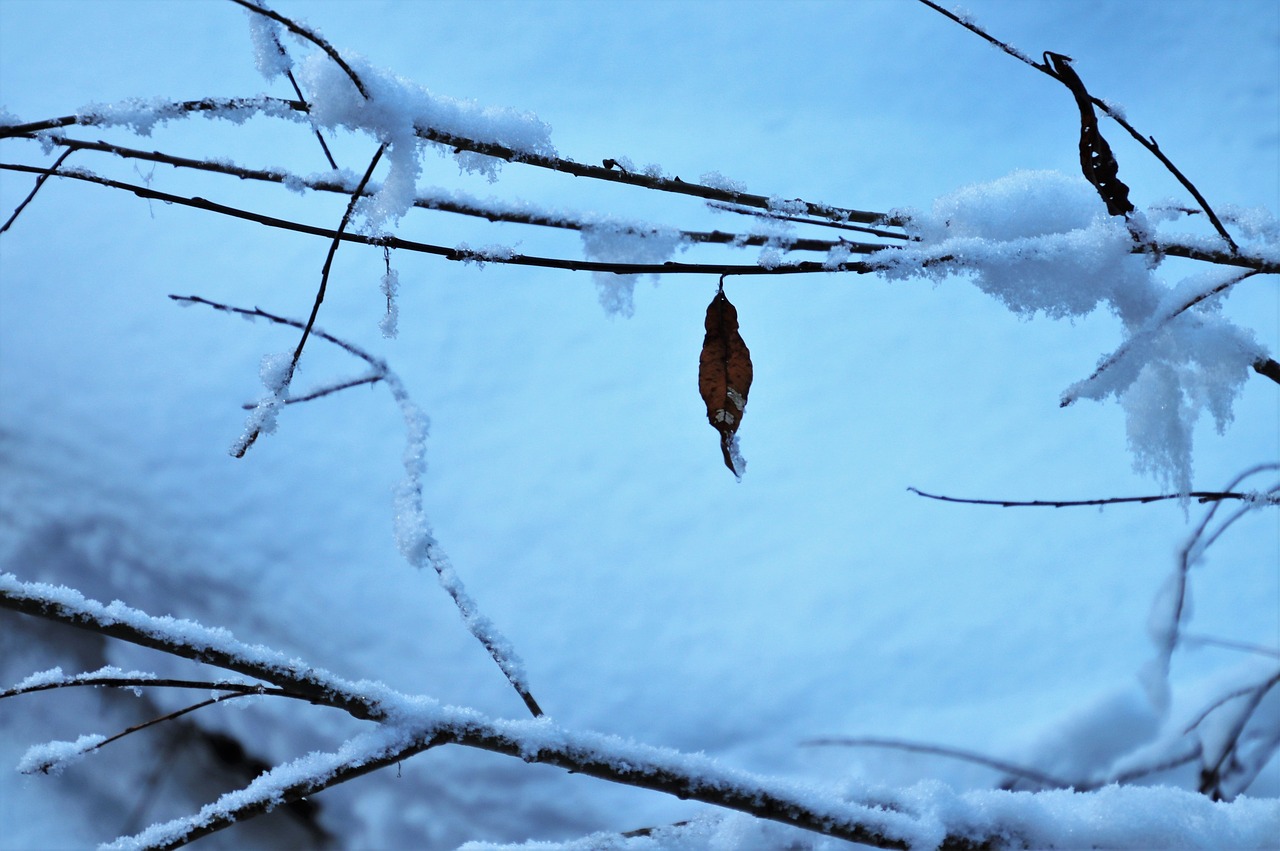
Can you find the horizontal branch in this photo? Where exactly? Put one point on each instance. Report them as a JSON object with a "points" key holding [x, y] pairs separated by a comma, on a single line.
{"points": [[1199, 496], [279, 106], [134, 682], [448, 205], [458, 254], [412, 725]]}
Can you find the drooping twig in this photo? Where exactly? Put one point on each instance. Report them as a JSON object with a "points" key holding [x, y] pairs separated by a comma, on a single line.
{"points": [[1213, 775], [479, 626], [49, 172], [1199, 496], [1147, 142], [297, 89], [1165, 623], [1032, 774]]}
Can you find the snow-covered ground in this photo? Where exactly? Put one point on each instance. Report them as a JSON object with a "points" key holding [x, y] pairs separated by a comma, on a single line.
{"points": [[571, 475]]}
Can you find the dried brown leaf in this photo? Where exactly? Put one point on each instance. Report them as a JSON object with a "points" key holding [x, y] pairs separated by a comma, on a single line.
{"points": [[724, 377], [1096, 160]]}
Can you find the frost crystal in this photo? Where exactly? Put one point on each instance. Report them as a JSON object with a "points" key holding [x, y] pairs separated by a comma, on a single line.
{"points": [[268, 54]]}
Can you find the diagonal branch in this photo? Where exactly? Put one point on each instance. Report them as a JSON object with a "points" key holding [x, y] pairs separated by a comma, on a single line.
{"points": [[311, 36], [1147, 142], [49, 172], [1151, 329]]}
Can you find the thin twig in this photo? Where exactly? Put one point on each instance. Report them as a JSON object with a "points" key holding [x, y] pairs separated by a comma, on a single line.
{"points": [[826, 212], [461, 254], [309, 35], [49, 172], [942, 750], [1200, 496], [1147, 142], [149, 682], [166, 717], [1152, 328], [323, 391], [450, 205], [249, 439], [485, 633]]}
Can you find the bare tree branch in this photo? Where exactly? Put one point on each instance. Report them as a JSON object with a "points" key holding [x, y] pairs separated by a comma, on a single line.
{"points": [[1199, 496], [493, 214], [412, 726], [1147, 142], [1045, 780], [309, 35], [51, 170]]}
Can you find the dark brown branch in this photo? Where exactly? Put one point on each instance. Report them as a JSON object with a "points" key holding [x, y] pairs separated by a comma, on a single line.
{"points": [[942, 750], [662, 184], [49, 172], [773, 215], [1199, 496], [169, 110], [1147, 142], [314, 38], [1268, 368]]}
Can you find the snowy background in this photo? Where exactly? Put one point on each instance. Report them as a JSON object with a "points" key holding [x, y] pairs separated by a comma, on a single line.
{"points": [[573, 478]]}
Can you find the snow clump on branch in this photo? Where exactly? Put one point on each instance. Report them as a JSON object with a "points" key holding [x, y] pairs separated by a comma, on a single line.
{"points": [[1040, 241], [396, 111]]}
